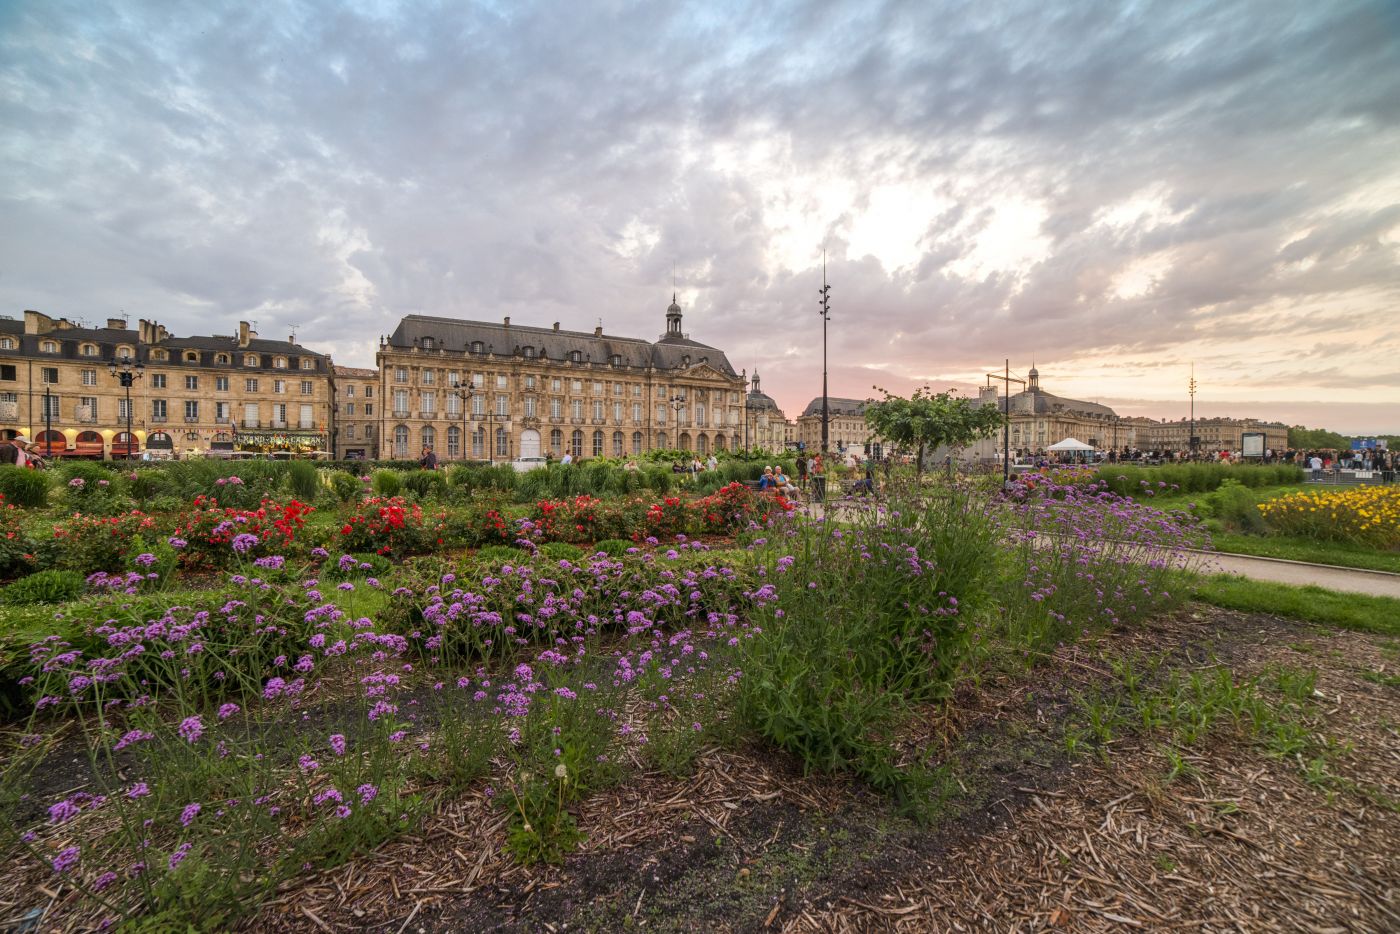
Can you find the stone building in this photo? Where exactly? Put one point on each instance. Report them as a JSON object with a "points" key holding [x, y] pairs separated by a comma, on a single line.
{"points": [[846, 427], [1040, 419], [194, 394], [1214, 435], [481, 390], [766, 426], [356, 425]]}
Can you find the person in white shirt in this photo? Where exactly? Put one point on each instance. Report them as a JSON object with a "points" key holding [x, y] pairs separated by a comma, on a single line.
{"points": [[567, 459]]}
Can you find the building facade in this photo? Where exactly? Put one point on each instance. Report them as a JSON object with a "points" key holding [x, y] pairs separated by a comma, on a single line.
{"points": [[356, 423], [846, 427], [766, 428], [486, 391], [1214, 435], [190, 395], [1039, 419]]}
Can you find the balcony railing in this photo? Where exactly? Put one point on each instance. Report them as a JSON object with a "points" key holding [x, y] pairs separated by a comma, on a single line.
{"points": [[278, 423], [221, 420], [158, 419], [252, 423], [306, 424], [191, 419], [401, 413]]}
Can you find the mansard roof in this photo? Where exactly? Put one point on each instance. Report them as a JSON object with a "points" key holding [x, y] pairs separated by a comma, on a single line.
{"points": [[835, 406], [457, 335]]}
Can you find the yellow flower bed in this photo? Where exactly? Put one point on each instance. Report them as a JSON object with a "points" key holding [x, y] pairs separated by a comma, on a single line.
{"points": [[1365, 515]]}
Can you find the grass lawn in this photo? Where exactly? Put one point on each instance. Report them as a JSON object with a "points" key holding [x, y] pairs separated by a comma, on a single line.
{"points": [[1182, 500], [1312, 604]]}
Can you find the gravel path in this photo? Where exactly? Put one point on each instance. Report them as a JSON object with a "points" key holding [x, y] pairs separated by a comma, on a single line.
{"points": [[1298, 573]]}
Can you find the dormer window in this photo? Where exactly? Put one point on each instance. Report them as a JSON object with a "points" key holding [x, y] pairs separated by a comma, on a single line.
{"points": [[429, 343], [279, 363], [250, 359], [124, 352], [307, 363], [89, 350], [617, 359], [575, 356], [221, 358], [49, 346], [685, 361], [478, 347], [191, 356], [7, 343], [529, 353], [159, 355]]}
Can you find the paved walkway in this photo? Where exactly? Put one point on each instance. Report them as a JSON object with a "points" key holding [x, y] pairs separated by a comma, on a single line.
{"points": [[1297, 573], [1279, 571]]}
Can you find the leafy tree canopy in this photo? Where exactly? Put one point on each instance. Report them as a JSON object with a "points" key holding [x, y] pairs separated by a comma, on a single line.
{"points": [[929, 420], [1300, 437]]}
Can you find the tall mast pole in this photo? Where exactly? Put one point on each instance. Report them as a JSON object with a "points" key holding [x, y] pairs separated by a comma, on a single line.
{"points": [[826, 316]]}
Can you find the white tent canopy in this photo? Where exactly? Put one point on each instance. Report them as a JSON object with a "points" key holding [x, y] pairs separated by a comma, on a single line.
{"points": [[1069, 444]]}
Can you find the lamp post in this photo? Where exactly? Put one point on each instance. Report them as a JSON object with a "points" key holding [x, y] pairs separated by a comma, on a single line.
{"points": [[825, 302], [1191, 390], [128, 374], [48, 421], [463, 396]]}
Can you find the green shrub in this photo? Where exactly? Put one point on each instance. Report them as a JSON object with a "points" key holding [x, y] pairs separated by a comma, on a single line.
{"points": [[145, 483], [304, 480], [425, 484], [388, 482], [51, 586], [346, 486], [1235, 507], [612, 547], [496, 554], [561, 551], [24, 487]]}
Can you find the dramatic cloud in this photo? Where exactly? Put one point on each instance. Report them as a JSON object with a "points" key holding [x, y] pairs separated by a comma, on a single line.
{"points": [[1113, 193]]}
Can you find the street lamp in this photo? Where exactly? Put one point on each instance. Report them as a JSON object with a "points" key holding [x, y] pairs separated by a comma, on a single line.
{"points": [[463, 395], [128, 374], [1191, 390], [825, 302]]}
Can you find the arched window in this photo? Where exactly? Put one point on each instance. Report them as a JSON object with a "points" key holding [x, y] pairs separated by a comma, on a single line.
{"points": [[636, 442], [89, 350], [683, 442], [401, 441], [597, 444], [159, 355], [279, 363], [7, 343], [735, 442], [454, 441], [49, 346], [556, 442], [221, 358], [308, 363], [250, 359], [617, 450], [479, 442], [719, 442], [429, 437], [124, 352], [502, 443], [702, 445], [661, 440], [576, 443], [192, 356]]}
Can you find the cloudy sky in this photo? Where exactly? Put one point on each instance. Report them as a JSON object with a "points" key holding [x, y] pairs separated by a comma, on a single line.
{"points": [[1111, 191]]}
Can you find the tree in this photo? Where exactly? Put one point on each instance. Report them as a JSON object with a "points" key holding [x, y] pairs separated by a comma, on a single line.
{"points": [[1316, 438], [929, 420]]}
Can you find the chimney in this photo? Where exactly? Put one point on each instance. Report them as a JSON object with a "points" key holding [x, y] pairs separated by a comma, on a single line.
{"points": [[36, 322], [161, 333], [507, 320], [143, 331], [556, 325], [116, 324], [243, 333], [598, 331]]}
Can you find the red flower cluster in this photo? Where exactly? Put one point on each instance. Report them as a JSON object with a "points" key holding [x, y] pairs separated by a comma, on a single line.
{"points": [[387, 525], [210, 529]]}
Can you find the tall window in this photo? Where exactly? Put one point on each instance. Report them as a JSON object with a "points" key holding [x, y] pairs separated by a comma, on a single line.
{"points": [[250, 415], [428, 404], [400, 401], [157, 380], [478, 405], [479, 442], [661, 440], [617, 411], [502, 443], [279, 386], [429, 437], [636, 411], [124, 407], [576, 407], [636, 442], [529, 406], [700, 414], [597, 444], [221, 384], [556, 442], [576, 443], [191, 410], [158, 410], [279, 415], [191, 382], [454, 441], [500, 381], [598, 408], [49, 407], [401, 441], [306, 387], [89, 403], [427, 377], [250, 385], [556, 407], [502, 405], [89, 377], [617, 449], [454, 404], [400, 374], [308, 420]]}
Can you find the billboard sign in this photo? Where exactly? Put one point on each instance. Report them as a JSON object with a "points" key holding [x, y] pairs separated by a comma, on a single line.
{"points": [[1252, 444], [1367, 444]]}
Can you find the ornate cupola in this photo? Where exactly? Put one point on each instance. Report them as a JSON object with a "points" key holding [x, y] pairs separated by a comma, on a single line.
{"points": [[673, 319], [755, 381], [1035, 380]]}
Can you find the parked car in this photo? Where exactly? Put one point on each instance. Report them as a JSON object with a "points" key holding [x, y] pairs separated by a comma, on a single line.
{"points": [[526, 464]]}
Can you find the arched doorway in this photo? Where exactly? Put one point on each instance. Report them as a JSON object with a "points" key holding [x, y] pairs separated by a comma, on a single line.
{"points": [[719, 442], [50, 443], [529, 443], [160, 441], [8, 434], [125, 445], [88, 444], [683, 442], [702, 444]]}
